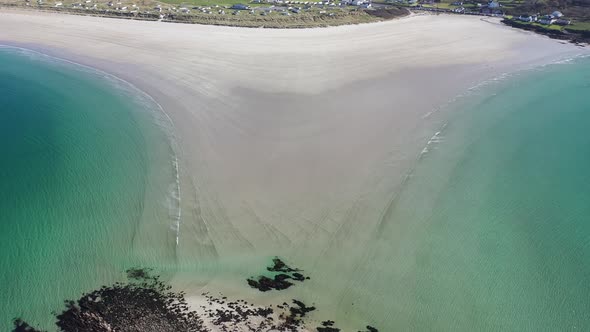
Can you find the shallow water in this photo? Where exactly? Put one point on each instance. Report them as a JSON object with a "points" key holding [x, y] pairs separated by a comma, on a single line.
{"points": [[85, 184], [492, 229]]}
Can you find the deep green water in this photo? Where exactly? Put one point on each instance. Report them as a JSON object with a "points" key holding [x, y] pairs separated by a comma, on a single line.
{"points": [[492, 229], [85, 176]]}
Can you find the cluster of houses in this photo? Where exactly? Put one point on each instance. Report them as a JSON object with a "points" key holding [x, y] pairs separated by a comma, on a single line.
{"points": [[288, 7], [492, 8], [283, 7], [554, 18], [360, 3], [321, 4]]}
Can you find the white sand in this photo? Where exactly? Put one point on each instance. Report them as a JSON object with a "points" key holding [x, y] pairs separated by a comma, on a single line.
{"points": [[293, 142]]}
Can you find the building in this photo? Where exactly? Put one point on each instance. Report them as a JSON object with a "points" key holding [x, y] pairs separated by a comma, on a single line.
{"points": [[355, 2], [557, 14], [547, 20], [527, 18], [493, 4], [491, 11], [562, 21], [240, 6]]}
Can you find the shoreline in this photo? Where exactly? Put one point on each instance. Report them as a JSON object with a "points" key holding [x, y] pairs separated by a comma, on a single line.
{"points": [[376, 15], [577, 38], [158, 111], [245, 198], [143, 170]]}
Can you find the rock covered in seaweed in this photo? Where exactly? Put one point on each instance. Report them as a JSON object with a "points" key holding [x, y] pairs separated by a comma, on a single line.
{"points": [[279, 281], [145, 304]]}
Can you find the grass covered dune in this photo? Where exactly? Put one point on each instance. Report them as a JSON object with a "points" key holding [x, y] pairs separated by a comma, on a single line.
{"points": [[292, 142]]}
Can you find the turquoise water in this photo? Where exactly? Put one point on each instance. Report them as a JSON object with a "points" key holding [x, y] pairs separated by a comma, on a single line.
{"points": [[85, 176], [491, 232], [492, 229]]}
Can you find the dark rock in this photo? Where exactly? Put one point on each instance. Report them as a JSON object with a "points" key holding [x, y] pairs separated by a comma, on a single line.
{"points": [[264, 284], [145, 304], [328, 329], [279, 281], [280, 266], [298, 276], [22, 326]]}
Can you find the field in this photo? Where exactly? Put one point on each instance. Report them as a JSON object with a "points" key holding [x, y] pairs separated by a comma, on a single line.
{"points": [[296, 14], [579, 26], [210, 3]]}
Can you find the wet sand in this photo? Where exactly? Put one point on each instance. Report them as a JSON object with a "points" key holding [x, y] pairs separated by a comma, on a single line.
{"points": [[291, 143]]}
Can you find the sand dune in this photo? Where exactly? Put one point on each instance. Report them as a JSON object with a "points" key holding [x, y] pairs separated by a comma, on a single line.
{"points": [[291, 142]]}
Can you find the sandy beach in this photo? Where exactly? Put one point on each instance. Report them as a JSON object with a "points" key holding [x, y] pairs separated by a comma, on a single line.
{"points": [[292, 143]]}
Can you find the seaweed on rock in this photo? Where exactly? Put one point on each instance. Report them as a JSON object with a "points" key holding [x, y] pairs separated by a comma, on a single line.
{"points": [[279, 281], [146, 304]]}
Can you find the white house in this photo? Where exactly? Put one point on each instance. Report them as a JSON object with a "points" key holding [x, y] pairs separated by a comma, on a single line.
{"points": [[527, 18], [355, 2], [557, 14], [493, 4]]}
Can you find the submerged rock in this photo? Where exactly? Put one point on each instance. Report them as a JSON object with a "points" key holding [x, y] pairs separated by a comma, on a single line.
{"points": [[328, 326], [280, 266], [279, 281], [264, 284], [22, 326]]}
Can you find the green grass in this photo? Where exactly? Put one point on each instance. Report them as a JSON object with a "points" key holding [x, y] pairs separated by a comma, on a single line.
{"points": [[207, 2], [441, 5], [549, 27], [210, 3], [579, 26]]}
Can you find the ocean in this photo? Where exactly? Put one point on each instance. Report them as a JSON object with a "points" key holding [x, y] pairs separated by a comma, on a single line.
{"points": [[490, 231], [87, 184]]}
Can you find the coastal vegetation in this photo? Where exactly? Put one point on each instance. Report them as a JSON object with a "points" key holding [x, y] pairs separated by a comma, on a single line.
{"points": [[572, 22], [252, 13], [578, 33], [459, 245], [319, 13]]}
